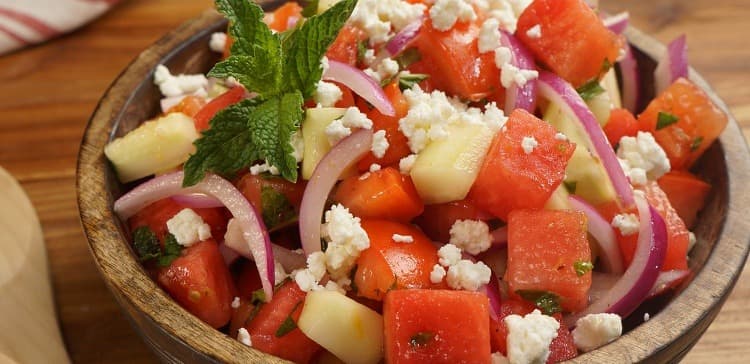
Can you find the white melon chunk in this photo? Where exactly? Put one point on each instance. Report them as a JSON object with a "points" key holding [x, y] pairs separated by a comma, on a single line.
{"points": [[314, 136]]}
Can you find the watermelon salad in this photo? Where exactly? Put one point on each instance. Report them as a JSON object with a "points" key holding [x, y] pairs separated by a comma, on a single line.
{"points": [[419, 181]]}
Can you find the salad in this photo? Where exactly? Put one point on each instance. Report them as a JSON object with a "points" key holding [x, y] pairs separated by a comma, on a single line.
{"points": [[419, 181]]}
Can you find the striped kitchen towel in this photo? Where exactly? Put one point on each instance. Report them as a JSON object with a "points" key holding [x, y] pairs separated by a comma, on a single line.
{"points": [[26, 22]]}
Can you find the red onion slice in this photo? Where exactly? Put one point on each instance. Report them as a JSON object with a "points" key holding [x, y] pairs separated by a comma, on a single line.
{"points": [[633, 287], [519, 97], [492, 291], [602, 231], [631, 84], [601, 283], [666, 280], [197, 200], [288, 259], [617, 23], [672, 65], [253, 229], [402, 39], [361, 84], [324, 177], [560, 92]]}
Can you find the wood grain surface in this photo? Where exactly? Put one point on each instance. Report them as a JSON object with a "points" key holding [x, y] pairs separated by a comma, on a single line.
{"points": [[48, 92]]}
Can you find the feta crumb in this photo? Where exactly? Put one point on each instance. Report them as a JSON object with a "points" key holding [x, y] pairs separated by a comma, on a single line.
{"points": [[471, 236], [468, 275], [595, 330], [327, 94], [407, 163], [264, 167], [364, 176], [402, 238], [493, 117], [375, 167], [218, 42], [646, 317], [628, 224], [188, 228], [489, 36], [305, 280], [244, 337], [342, 127], [692, 240], [373, 74], [449, 255], [534, 32], [498, 358], [316, 263], [369, 57], [511, 74], [445, 13], [375, 17], [387, 68], [298, 146], [528, 144], [333, 286], [346, 239], [505, 11], [561, 137], [324, 65], [380, 144], [503, 56], [236, 303], [437, 274], [644, 152], [172, 86], [529, 337]]}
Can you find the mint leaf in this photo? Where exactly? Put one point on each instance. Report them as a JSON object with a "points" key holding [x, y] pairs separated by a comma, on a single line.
{"points": [[582, 267], [260, 73], [665, 119], [146, 244], [407, 81], [304, 49], [172, 251], [590, 90], [421, 338], [696, 144], [548, 302], [276, 208], [246, 27], [311, 8]]}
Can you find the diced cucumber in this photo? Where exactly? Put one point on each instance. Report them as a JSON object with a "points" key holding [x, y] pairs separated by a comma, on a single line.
{"points": [[446, 169], [348, 329], [609, 83], [314, 136], [324, 5], [155, 146], [559, 199]]}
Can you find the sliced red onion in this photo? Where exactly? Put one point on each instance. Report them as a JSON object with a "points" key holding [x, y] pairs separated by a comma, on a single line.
{"points": [[673, 65], [560, 92], [500, 236], [601, 283], [667, 280], [361, 84], [519, 97], [403, 39], [197, 200], [602, 231], [631, 84], [324, 177], [492, 291], [288, 259], [253, 229], [617, 23], [633, 287]]}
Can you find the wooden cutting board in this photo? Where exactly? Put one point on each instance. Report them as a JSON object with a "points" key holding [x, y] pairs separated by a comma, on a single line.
{"points": [[28, 325]]}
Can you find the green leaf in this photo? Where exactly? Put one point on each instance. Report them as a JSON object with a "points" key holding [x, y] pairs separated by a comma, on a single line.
{"points": [[259, 297], [172, 251], [246, 27], [288, 324], [304, 49], [548, 302], [407, 81], [582, 267], [311, 8], [276, 207], [146, 244], [408, 57], [696, 144], [665, 119], [362, 50], [271, 126], [421, 338], [260, 73], [570, 186], [590, 90]]}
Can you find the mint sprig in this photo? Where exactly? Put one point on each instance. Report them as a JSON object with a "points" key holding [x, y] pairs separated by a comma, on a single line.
{"points": [[283, 69]]}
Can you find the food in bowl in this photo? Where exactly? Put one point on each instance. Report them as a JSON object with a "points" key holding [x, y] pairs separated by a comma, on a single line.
{"points": [[420, 196]]}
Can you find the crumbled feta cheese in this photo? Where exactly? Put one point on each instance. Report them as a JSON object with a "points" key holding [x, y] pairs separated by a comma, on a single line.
{"points": [[561, 137], [529, 337], [511, 74], [498, 358], [646, 317], [333, 286], [637, 176], [236, 303], [528, 144], [628, 224], [644, 152], [218, 42], [534, 32], [375, 167], [179, 85], [327, 94], [244, 337], [505, 11], [402, 238], [379, 144], [264, 167], [471, 236], [437, 274], [342, 127], [692, 240], [493, 117], [489, 36], [369, 56], [188, 228], [324, 64], [595, 330], [449, 255], [231, 82], [445, 13], [298, 146], [387, 68], [346, 239], [503, 56], [316, 263], [407, 163], [468, 275], [305, 280], [375, 17], [373, 74]]}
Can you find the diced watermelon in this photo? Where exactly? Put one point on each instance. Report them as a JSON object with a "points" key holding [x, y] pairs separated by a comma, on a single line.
{"points": [[687, 194], [384, 194], [398, 145], [436, 220], [156, 215]]}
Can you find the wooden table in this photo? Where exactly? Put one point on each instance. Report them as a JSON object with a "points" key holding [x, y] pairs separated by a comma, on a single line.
{"points": [[48, 92]]}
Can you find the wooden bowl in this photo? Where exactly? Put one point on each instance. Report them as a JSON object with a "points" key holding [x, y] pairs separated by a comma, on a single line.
{"points": [[176, 336]]}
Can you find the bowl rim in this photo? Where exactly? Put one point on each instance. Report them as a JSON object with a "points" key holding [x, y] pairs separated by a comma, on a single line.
{"points": [[696, 304]]}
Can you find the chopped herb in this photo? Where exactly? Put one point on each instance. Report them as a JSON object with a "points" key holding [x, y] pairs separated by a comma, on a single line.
{"points": [[548, 302], [311, 8], [283, 69], [276, 208], [570, 186], [664, 119], [408, 57], [172, 251], [696, 144], [361, 50], [421, 338], [288, 325], [606, 66], [590, 90], [407, 81], [582, 267], [259, 296], [146, 244]]}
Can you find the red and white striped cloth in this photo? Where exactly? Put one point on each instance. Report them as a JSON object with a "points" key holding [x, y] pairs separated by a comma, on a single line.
{"points": [[26, 22]]}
